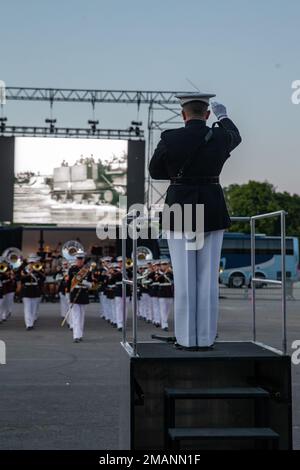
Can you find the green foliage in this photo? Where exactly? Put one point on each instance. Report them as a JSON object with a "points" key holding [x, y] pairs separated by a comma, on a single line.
{"points": [[258, 198]]}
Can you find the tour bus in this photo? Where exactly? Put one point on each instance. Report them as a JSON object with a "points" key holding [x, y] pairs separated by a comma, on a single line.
{"points": [[235, 264]]}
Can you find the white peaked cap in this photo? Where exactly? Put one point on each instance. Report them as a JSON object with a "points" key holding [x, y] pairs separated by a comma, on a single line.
{"points": [[198, 96]]}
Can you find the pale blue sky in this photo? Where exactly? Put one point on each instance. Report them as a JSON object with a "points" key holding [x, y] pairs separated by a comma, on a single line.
{"points": [[245, 51]]}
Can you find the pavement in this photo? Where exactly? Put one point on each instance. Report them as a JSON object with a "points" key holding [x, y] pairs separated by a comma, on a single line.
{"points": [[55, 394]]}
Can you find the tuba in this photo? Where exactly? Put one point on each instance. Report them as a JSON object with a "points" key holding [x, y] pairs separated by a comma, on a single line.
{"points": [[143, 253], [70, 249], [13, 257]]}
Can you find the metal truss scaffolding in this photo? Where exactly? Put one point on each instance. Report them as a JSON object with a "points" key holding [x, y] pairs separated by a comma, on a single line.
{"points": [[163, 113]]}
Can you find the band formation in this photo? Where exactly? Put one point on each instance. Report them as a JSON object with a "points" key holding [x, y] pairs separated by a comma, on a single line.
{"points": [[74, 279]]}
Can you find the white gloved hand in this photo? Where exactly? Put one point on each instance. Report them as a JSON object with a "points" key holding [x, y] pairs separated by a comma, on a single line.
{"points": [[86, 283], [219, 110]]}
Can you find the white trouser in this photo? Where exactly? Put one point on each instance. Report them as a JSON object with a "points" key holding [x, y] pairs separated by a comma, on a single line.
{"points": [[113, 315], [30, 310], [119, 311], [165, 305], [101, 304], [155, 310], [196, 283], [142, 307], [78, 312], [64, 304], [8, 302], [148, 306]]}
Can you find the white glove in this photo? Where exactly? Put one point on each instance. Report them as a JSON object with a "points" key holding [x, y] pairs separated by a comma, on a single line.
{"points": [[219, 110], [86, 283]]}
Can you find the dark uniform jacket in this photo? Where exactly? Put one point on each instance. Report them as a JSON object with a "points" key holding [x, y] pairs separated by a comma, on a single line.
{"points": [[32, 284], [165, 287], [80, 294], [176, 147]]}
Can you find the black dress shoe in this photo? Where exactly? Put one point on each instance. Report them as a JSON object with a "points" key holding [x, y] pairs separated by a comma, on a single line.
{"points": [[165, 329], [205, 348], [76, 340], [29, 328], [185, 348]]}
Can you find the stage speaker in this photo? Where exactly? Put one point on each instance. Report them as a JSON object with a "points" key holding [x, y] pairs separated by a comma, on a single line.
{"points": [[7, 155], [136, 172]]}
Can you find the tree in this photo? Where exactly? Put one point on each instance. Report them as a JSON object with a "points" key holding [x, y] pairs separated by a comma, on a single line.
{"points": [[254, 198]]}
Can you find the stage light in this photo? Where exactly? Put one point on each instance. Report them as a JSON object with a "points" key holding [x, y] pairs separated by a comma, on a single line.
{"points": [[52, 124], [135, 127], [93, 125], [2, 123]]}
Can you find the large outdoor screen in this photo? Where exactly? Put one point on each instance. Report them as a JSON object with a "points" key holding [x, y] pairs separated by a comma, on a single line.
{"points": [[68, 181]]}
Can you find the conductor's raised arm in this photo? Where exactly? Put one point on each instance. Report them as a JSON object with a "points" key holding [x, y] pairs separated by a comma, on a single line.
{"points": [[232, 134]]}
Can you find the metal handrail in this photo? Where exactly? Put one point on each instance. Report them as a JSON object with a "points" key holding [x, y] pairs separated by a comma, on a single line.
{"points": [[125, 281], [134, 217], [282, 214]]}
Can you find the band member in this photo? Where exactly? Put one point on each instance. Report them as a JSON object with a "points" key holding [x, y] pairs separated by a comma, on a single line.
{"points": [[165, 293], [110, 295], [9, 289], [32, 283], [153, 291], [61, 278], [192, 158], [98, 277], [2, 278], [142, 304], [79, 293], [118, 305]]}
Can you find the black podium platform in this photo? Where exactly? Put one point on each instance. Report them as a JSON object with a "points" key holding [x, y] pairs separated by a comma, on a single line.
{"points": [[236, 396]]}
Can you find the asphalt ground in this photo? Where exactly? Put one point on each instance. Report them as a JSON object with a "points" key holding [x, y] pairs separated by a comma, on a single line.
{"points": [[55, 394]]}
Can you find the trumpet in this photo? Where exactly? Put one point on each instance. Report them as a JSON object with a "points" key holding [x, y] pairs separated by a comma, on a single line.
{"points": [[3, 267], [129, 263], [38, 266]]}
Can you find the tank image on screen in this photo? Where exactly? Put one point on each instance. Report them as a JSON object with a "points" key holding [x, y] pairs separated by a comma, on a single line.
{"points": [[69, 181]]}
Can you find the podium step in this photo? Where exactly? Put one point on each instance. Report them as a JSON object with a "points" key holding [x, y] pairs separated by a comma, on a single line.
{"points": [[176, 435], [224, 392]]}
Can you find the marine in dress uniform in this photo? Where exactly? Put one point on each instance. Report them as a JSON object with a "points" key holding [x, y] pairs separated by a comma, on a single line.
{"points": [[192, 158], [31, 291], [165, 293], [153, 291], [2, 278], [9, 289], [79, 296], [61, 277]]}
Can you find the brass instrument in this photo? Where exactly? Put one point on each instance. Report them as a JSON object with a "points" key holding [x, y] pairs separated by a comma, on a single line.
{"points": [[38, 266], [129, 263], [70, 248], [13, 256], [143, 253], [3, 267]]}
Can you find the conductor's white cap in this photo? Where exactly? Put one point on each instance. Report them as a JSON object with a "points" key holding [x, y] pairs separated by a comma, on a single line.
{"points": [[188, 97]]}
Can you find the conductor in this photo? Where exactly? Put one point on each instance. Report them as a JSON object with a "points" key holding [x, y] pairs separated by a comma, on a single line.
{"points": [[192, 158]]}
